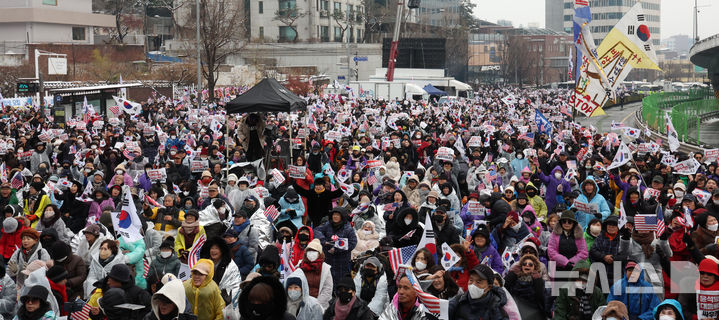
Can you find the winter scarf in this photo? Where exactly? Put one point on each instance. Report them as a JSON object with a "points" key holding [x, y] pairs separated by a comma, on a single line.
{"points": [[645, 240]]}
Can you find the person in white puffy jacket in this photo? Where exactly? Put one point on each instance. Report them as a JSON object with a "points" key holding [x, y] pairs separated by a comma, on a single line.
{"points": [[312, 263], [299, 302], [8, 296], [86, 243], [107, 256], [373, 282], [237, 196]]}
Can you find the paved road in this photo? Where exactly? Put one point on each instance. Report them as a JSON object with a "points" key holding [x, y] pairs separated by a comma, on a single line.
{"points": [[604, 123], [709, 134]]}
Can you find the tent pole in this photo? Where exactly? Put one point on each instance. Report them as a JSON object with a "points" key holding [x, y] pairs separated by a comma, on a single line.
{"points": [[227, 145], [290, 130]]}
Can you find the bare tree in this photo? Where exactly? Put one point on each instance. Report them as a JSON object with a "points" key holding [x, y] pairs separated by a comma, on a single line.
{"points": [[221, 34], [376, 17], [289, 17], [517, 62], [342, 20], [125, 12]]}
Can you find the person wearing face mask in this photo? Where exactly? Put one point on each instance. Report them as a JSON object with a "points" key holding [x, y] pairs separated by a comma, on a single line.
{"points": [[35, 202], [467, 261], [422, 262], [537, 203], [317, 272], [367, 211], [121, 172], [299, 302], [169, 302], [482, 300], [582, 304], [213, 216], [39, 155], [510, 232], [594, 229], [405, 222], [444, 232], [319, 200], [338, 240], [518, 163], [707, 228], [75, 267], [51, 219], [174, 142], [555, 179], [165, 262], [605, 248], [371, 284], [367, 239], [143, 180], [636, 292], [669, 309], [204, 295], [291, 210], [101, 264], [264, 298], [188, 234], [524, 282], [347, 305]]}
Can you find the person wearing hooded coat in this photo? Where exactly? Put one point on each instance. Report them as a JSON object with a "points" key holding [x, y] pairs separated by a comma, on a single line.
{"points": [[171, 292], [302, 306], [101, 199], [402, 227], [498, 207], [637, 295], [227, 274], [707, 281], [371, 285], [589, 195], [35, 201], [205, 299], [43, 312], [526, 286], [484, 249], [509, 233], [51, 219], [338, 239], [319, 200], [480, 304], [535, 201], [573, 306], [134, 252], [72, 209], [317, 273], [270, 294], [552, 182], [291, 210], [367, 239], [11, 240], [8, 295], [671, 304], [367, 211]]}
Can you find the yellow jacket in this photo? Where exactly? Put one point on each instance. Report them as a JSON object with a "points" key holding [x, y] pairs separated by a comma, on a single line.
{"points": [[205, 298], [161, 221], [34, 217], [180, 240]]}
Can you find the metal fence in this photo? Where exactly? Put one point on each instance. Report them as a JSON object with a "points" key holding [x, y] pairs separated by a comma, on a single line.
{"points": [[687, 109]]}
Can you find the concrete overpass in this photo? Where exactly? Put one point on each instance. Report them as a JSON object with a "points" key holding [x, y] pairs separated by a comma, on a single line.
{"points": [[705, 54]]}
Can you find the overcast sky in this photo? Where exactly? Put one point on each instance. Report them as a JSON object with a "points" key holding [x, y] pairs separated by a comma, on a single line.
{"points": [[677, 15]]}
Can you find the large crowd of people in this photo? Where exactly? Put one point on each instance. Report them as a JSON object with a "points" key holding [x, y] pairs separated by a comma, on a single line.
{"points": [[498, 206]]}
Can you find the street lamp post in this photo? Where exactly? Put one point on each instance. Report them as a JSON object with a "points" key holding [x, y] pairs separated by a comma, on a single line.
{"points": [[199, 56]]}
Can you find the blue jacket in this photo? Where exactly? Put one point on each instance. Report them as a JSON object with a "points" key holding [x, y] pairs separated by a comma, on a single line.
{"points": [[299, 209], [339, 259], [641, 303], [595, 198], [180, 144], [135, 253], [517, 165], [242, 257], [672, 303]]}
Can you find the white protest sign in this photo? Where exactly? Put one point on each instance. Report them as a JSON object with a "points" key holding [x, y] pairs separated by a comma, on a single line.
{"points": [[474, 141], [711, 155], [687, 167], [296, 172], [446, 154], [707, 304], [199, 166]]}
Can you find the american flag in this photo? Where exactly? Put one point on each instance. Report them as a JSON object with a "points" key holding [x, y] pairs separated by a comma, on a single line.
{"points": [[398, 256], [83, 314], [431, 302], [146, 266], [372, 179], [153, 203], [88, 111], [271, 213], [115, 110], [645, 222], [17, 181], [194, 254], [661, 227]]}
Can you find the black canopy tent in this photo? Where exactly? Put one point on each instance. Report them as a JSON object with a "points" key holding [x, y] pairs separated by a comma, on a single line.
{"points": [[266, 96]]}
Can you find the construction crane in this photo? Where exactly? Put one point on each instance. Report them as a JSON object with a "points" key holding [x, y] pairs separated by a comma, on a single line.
{"points": [[411, 4]]}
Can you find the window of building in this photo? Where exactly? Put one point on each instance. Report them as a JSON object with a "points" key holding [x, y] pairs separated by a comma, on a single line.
{"points": [[325, 33], [359, 35], [287, 34], [324, 5], [338, 7], [338, 34], [49, 2], [78, 33], [262, 32], [261, 7]]}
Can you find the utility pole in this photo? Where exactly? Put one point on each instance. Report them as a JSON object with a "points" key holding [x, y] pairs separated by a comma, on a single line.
{"points": [[199, 55], [696, 22], [356, 67]]}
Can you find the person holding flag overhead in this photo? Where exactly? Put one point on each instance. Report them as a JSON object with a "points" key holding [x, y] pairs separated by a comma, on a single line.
{"points": [[338, 239]]}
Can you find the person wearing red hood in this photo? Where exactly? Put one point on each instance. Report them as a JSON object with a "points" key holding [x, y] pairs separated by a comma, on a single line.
{"points": [[302, 239], [708, 281]]}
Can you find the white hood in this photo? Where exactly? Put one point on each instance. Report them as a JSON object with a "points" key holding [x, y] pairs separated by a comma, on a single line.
{"points": [[173, 290]]}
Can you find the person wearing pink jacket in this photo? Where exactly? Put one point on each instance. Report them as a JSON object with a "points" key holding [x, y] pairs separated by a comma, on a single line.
{"points": [[566, 243]]}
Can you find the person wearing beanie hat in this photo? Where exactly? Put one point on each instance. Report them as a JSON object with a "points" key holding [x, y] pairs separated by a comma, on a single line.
{"points": [[35, 202], [570, 235], [57, 276], [188, 234], [35, 305], [11, 236], [100, 200], [347, 304], [483, 249], [371, 285], [165, 262], [482, 300], [202, 292], [76, 269], [299, 302], [605, 248], [30, 250], [670, 309]]}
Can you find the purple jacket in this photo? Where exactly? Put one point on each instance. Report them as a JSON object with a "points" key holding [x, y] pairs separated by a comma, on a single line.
{"points": [[553, 250], [144, 182], [93, 214], [495, 261], [625, 186], [551, 182]]}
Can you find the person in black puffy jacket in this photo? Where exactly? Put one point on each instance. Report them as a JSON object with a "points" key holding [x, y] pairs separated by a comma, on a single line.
{"points": [[498, 206], [405, 222]]}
